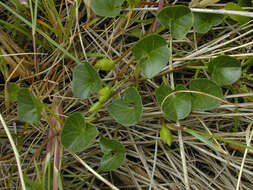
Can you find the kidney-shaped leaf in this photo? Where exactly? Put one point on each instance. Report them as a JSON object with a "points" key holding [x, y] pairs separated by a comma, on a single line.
{"points": [[107, 8], [204, 102], [177, 106], [203, 22], [153, 54], [225, 70], [85, 80], [13, 90], [29, 108], [235, 7], [76, 134], [127, 110], [114, 154], [179, 19], [161, 92]]}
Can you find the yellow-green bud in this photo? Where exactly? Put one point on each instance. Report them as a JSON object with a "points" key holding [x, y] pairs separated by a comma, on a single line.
{"points": [[104, 94], [166, 135], [105, 64]]}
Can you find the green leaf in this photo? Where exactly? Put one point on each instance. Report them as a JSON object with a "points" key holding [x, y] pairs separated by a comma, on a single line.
{"points": [[153, 54], [48, 173], [238, 144], [107, 8], [76, 134], [179, 19], [204, 102], [133, 3], [114, 154], [161, 92], [85, 80], [166, 135], [136, 32], [225, 70], [203, 22], [177, 106], [205, 3], [105, 64], [32, 185], [204, 140], [235, 7], [127, 110], [29, 108], [13, 90], [245, 3]]}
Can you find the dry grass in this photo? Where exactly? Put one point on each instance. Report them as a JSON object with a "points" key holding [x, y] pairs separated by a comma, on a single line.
{"points": [[150, 164]]}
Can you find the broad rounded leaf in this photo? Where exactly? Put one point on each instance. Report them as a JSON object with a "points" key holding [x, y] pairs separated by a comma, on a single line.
{"points": [[161, 92], [179, 19], [127, 110], [114, 154], [203, 22], [177, 106], [153, 54], [85, 80], [29, 108], [225, 70], [204, 102], [235, 7], [107, 8], [76, 134], [13, 90]]}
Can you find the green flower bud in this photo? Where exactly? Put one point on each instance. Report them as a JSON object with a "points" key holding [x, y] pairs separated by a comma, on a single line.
{"points": [[105, 64], [104, 94], [166, 135]]}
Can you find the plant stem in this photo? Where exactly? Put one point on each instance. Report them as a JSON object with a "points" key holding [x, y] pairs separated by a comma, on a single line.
{"points": [[220, 139], [156, 23], [53, 114], [121, 72]]}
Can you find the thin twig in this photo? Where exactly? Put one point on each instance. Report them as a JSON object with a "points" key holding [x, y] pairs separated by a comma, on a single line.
{"points": [[206, 152], [154, 165], [201, 10], [15, 152], [211, 57], [182, 152], [223, 12], [16, 54], [244, 158], [94, 172]]}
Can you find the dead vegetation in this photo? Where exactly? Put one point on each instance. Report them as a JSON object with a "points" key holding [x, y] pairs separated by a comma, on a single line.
{"points": [[150, 164]]}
